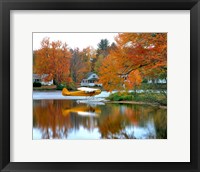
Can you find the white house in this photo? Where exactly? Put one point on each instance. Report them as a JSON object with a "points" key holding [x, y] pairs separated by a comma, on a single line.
{"points": [[157, 81], [90, 80], [41, 79]]}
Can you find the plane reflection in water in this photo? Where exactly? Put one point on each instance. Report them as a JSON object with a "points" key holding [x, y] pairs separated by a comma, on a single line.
{"points": [[67, 119], [82, 111]]}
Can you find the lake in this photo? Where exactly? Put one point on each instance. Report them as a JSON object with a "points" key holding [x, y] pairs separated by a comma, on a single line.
{"points": [[70, 119]]}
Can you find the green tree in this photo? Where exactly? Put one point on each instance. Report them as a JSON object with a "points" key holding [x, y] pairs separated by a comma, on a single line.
{"points": [[103, 44], [102, 52]]}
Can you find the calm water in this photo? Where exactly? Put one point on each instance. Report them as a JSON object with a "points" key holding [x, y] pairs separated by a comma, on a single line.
{"points": [[67, 119]]}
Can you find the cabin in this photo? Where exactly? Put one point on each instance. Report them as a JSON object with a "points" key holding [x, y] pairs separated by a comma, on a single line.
{"points": [[91, 80], [156, 81], [41, 79]]}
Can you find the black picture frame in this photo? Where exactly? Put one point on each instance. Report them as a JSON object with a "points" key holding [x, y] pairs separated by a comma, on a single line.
{"points": [[7, 5]]}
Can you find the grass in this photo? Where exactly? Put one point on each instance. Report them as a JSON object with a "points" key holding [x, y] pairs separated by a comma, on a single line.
{"points": [[157, 98]]}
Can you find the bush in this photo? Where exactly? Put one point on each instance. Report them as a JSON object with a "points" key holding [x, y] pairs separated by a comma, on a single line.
{"points": [[120, 97], [143, 97], [37, 84], [69, 86], [151, 86], [114, 97], [127, 97], [60, 87]]}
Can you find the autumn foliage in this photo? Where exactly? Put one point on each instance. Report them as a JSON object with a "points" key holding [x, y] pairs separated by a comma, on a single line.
{"points": [[82, 62], [53, 59], [62, 64], [120, 66], [136, 55]]}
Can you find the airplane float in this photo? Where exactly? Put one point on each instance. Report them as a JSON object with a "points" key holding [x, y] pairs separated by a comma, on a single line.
{"points": [[82, 91]]}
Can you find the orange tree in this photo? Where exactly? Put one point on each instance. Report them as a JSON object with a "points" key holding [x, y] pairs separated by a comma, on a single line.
{"points": [[135, 56], [53, 58], [80, 64]]}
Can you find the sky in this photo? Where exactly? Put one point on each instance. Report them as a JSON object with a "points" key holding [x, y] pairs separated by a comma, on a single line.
{"points": [[74, 40]]}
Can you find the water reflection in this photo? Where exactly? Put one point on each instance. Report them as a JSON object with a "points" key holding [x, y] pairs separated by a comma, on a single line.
{"points": [[82, 111], [66, 119]]}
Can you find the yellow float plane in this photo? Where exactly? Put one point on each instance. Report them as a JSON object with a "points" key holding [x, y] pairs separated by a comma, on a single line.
{"points": [[82, 91]]}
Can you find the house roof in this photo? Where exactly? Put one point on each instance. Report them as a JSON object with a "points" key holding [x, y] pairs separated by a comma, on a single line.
{"points": [[89, 74], [90, 77], [36, 76]]}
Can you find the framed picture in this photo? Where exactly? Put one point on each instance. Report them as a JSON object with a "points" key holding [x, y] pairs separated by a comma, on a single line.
{"points": [[97, 85]]}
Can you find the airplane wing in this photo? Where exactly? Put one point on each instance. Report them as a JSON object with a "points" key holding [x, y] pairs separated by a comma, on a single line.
{"points": [[87, 90]]}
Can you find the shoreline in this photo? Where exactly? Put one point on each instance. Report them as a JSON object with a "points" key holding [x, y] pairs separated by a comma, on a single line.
{"points": [[56, 94], [138, 103]]}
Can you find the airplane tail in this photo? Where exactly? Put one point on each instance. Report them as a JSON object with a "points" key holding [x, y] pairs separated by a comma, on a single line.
{"points": [[65, 91]]}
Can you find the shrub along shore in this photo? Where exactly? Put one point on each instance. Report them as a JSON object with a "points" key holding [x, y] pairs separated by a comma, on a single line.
{"points": [[150, 98]]}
